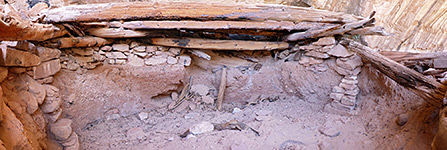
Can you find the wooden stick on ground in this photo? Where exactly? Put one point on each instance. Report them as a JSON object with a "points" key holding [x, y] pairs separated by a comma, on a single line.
{"points": [[223, 85], [427, 88]]}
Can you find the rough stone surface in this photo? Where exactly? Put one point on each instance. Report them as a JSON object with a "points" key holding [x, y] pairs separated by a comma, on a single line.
{"points": [[317, 54], [30, 100], [13, 135], [351, 63], [106, 48], [151, 49], [174, 50], [121, 47], [61, 129], [139, 49], [83, 51], [35, 88], [155, 60], [135, 133], [46, 69], [207, 99], [46, 53], [171, 60], [3, 73], [116, 55], [340, 51], [202, 127], [184, 60], [325, 41], [143, 116], [134, 60], [54, 116], [200, 89], [50, 104], [20, 59]]}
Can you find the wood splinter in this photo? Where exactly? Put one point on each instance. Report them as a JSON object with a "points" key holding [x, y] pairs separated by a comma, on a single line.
{"points": [[223, 85]]}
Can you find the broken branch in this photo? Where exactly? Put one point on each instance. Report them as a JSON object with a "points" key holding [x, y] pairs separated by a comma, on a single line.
{"points": [[223, 85]]}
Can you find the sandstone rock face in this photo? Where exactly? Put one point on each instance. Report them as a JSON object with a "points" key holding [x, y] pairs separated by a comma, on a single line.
{"points": [[415, 24]]}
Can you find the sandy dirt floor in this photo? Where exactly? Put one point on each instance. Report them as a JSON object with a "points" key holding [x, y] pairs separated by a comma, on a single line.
{"points": [[283, 121]]}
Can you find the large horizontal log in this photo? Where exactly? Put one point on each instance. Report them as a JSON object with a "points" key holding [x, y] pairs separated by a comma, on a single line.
{"points": [[212, 34], [427, 88], [14, 28], [195, 43], [68, 42], [192, 11], [212, 25]]}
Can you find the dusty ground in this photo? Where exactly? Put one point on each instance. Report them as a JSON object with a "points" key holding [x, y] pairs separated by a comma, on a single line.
{"points": [[292, 121]]}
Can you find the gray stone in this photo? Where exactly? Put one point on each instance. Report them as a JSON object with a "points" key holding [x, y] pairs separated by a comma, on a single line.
{"points": [[236, 110], [325, 41], [171, 60], [336, 96], [134, 44], [54, 116], [317, 54], [51, 104], [142, 54], [338, 89], [136, 133], [151, 49], [440, 63], [134, 60], [402, 119], [184, 60], [352, 92], [348, 100], [83, 60], [141, 49], [340, 51], [207, 100], [174, 50], [351, 63], [72, 140], [143, 116], [121, 47], [348, 81], [61, 129], [106, 48], [264, 112], [348, 86], [200, 89], [116, 55], [191, 115], [155, 60], [310, 47], [201, 128]]}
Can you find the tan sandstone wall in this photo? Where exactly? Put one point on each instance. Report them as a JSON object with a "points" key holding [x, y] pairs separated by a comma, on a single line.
{"points": [[415, 24]]}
